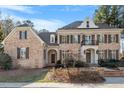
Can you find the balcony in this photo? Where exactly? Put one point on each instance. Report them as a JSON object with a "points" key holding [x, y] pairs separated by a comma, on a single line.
{"points": [[89, 42]]}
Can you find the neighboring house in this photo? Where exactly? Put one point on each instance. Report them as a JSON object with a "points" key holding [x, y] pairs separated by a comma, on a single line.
{"points": [[82, 40]]}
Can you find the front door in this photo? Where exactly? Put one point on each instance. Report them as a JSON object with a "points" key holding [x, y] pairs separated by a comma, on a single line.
{"points": [[53, 58], [88, 57]]}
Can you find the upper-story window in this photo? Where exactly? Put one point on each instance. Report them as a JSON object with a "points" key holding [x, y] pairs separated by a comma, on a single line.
{"points": [[23, 34], [52, 38], [75, 38], [87, 24]]}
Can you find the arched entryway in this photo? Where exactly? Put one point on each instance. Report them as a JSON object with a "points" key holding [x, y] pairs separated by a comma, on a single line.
{"points": [[52, 56], [90, 55]]}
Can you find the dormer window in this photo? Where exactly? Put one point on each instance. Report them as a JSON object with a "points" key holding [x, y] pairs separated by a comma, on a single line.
{"points": [[52, 38], [87, 24]]}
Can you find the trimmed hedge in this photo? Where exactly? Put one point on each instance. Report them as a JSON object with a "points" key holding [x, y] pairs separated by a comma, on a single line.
{"points": [[111, 63], [70, 63], [81, 64], [59, 64]]}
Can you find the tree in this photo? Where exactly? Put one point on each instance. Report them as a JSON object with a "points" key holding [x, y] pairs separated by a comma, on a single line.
{"points": [[8, 25], [18, 23], [5, 61], [28, 22], [102, 15], [111, 15], [114, 15], [1, 39], [121, 16], [43, 30]]}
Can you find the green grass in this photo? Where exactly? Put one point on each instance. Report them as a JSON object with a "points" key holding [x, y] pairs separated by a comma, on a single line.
{"points": [[22, 75]]}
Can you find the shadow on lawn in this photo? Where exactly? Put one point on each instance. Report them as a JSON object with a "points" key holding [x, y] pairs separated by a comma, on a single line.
{"points": [[21, 77]]}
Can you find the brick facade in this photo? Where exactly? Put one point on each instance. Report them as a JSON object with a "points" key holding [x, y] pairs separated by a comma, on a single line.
{"points": [[36, 46]]}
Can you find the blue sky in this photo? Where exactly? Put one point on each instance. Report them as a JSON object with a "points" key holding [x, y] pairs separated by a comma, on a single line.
{"points": [[49, 17]]}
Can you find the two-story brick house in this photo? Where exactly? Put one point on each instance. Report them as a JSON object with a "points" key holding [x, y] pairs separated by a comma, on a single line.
{"points": [[85, 40]]}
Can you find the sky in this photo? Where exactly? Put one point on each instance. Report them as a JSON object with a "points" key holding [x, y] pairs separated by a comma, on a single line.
{"points": [[50, 17]]}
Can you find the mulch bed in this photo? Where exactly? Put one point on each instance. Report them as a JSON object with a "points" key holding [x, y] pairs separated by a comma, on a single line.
{"points": [[74, 75]]}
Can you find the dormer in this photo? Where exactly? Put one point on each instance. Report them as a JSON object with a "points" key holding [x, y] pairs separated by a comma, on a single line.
{"points": [[88, 23], [52, 38]]}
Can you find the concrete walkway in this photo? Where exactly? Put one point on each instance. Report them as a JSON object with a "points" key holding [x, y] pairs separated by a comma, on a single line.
{"points": [[111, 82], [58, 85]]}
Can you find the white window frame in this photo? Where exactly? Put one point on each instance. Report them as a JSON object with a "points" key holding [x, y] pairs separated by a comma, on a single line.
{"points": [[75, 38], [22, 53], [52, 38]]}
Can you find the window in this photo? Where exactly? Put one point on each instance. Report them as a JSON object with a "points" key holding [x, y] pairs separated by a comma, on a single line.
{"points": [[87, 24], [75, 38], [102, 38], [113, 54], [113, 38], [88, 39], [23, 34], [23, 53], [64, 39], [52, 38]]}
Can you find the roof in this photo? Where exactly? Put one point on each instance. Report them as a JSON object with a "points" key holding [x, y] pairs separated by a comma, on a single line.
{"points": [[45, 36], [76, 24], [23, 25]]}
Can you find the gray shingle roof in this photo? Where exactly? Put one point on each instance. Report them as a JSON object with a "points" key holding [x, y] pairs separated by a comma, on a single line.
{"points": [[74, 25], [45, 36], [23, 25]]}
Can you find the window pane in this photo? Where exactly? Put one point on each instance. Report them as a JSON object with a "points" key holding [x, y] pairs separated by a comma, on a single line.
{"points": [[22, 52]]}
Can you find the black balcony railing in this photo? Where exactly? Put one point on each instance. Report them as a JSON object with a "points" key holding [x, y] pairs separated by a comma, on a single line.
{"points": [[89, 42]]}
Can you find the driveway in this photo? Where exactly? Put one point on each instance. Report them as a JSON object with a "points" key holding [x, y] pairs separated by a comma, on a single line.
{"points": [[114, 80]]}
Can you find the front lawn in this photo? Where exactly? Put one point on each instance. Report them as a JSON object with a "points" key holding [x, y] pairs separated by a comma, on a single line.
{"points": [[68, 75], [23, 75]]}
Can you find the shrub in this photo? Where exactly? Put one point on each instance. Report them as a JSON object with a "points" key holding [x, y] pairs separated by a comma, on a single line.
{"points": [[5, 61], [73, 75], [59, 64], [81, 64], [112, 63], [69, 62]]}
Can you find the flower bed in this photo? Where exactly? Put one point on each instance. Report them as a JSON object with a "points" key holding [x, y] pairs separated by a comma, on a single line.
{"points": [[75, 75]]}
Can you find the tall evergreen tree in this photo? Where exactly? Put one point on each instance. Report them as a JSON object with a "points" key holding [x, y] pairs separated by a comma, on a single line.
{"points": [[102, 15], [114, 15], [111, 15]]}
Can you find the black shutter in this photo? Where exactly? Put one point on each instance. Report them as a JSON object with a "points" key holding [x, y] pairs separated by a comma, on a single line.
{"points": [[71, 38], [110, 54], [109, 38], [105, 38], [60, 39], [18, 53], [83, 39], [105, 51], [20, 34], [93, 39], [98, 39], [78, 38], [27, 53], [68, 39], [117, 40], [25, 34]]}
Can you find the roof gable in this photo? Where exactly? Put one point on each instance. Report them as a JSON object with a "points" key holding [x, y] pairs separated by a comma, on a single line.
{"points": [[20, 28]]}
